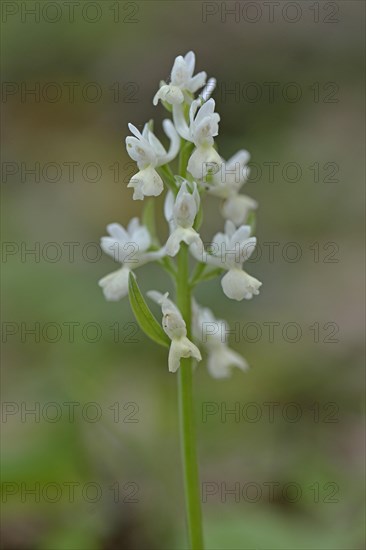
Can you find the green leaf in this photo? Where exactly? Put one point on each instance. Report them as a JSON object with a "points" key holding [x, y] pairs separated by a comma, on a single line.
{"points": [[144, 317]]}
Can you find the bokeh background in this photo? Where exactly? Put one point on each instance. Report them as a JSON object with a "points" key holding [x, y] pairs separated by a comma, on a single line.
{"points": [[109, 476]]}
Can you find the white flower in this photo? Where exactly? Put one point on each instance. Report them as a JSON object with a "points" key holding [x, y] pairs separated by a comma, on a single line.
{"points": [[129, 247], [229, 250], [175, 327], [226, 184], [211, 332], [231, 176], [115, 285], [182, 82], [149, 153], [180, 214], [203, 127], [237, 207], [221, 359]]}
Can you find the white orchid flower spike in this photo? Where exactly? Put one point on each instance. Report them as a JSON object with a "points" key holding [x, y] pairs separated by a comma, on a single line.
{"points": [[190, 329], [212, 333], [149, 154], [175, 327], [180, 213], [182, 82], [130, 248]]}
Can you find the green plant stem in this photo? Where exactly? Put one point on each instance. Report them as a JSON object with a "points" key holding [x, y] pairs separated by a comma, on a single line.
{"points": [[186, 413], [168, 177], [185, 152]]}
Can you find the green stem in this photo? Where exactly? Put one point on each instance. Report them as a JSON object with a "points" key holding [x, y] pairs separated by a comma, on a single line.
{"points": [[185, 152], [168, 177], [186, 413]]}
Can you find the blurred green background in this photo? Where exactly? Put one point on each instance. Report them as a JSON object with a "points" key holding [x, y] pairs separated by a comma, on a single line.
{"points": [[120, 449]]}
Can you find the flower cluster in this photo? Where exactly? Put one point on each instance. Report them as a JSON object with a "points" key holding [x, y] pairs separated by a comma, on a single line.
{"points": [[201, 170]]}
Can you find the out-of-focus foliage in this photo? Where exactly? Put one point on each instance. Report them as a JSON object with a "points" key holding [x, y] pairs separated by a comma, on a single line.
{"points": [[123, 457]]}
